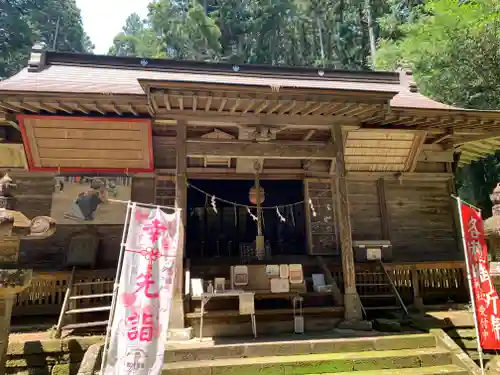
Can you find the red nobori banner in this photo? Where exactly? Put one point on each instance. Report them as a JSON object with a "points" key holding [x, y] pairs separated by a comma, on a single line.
{"points": [[485, 296]]}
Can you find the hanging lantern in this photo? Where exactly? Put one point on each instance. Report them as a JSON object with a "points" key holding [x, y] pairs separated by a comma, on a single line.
{"points": [[252, 195]]}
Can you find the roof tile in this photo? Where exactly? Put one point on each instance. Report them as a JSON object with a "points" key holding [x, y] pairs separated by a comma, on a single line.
{"points": [[105, 80]]}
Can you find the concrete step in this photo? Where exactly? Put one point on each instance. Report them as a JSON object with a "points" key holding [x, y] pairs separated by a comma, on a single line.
{"points": [[433, 370], [196, 351], [314, 363]]}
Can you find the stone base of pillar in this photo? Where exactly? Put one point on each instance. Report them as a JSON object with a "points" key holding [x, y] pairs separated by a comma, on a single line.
{"points": [[353, 314], [418, 304], [182, 334], [12, 281], [352, 307], [356, 325], [176, 313], [6, 303]]}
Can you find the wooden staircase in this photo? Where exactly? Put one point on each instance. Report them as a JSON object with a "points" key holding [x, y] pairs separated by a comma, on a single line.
{"points": [[71, 307], [377, 292]]}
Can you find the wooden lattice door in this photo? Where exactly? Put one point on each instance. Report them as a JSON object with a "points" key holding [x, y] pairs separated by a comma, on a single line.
{"points": [[321, 223]]}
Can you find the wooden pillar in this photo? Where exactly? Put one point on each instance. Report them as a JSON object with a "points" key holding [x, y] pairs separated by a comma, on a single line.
{"points": [[384, 216], [352, 303], [177, 312], [418, 301]]}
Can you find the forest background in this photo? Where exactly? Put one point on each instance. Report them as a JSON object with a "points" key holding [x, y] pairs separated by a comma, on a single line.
{"points": [[452, 47]]}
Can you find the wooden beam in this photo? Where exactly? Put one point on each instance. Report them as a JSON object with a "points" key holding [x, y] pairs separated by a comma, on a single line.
{"points": [[309, 134], [478, 137], [441, 138], [249, 106], [63, 108], [236, 105], [98, 109], [195, 103], [287, 108], [116, 109], [80, 107], [250, 150], [208, 104], [132, 110], [262, 107], [352, 304], [222, 104], [46, 107], [436, 156], [299, 173], [9, 107], [28, 107], [166, 101], [418, 143], [257, 119], [275, 108]]}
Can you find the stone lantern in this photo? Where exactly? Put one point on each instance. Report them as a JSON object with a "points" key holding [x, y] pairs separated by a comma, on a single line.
{"points": [[14, 227]]}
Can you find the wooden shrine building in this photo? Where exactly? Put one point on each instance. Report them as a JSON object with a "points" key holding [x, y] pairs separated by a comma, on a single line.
{"points": [[348, 161]]}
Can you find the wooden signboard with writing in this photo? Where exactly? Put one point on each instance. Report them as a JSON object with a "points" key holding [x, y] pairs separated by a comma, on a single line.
{"points": [[321, 223]]}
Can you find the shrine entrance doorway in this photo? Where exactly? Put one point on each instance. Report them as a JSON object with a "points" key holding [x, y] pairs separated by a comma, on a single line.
{"points": [[222, 222]]}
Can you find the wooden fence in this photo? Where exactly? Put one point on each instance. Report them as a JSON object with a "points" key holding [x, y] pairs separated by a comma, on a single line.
{"points": [[46, 293], [429, 283]]}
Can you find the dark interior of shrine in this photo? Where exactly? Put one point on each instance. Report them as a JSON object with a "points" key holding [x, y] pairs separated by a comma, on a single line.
{"points": [[229, 231]]}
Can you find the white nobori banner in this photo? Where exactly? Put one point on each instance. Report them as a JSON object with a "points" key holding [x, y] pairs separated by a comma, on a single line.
{"points": [[142, 307]]}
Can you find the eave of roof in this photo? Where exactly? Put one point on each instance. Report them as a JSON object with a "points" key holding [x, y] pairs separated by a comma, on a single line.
{"points": [[82, 74]]}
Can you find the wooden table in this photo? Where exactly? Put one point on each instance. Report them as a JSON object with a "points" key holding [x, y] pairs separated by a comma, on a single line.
{"points": [[205, 297]]}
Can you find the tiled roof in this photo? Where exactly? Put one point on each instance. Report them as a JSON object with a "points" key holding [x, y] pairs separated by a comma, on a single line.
{"points": [[94, 80], [89, 74], [407, 99]]}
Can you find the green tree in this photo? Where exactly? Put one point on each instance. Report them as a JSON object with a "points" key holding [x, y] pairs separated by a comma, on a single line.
{"points": [[137, 39], [24, 22], [184, 30], [15, 35], [454, 51], [323, 33]]}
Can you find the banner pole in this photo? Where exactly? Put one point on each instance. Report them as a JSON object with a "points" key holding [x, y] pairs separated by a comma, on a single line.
{"points": [[469, 280], [144, 204], [116, 285]]}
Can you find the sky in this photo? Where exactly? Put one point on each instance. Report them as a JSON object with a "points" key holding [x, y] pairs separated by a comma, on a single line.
{"points": [[103, 19]]}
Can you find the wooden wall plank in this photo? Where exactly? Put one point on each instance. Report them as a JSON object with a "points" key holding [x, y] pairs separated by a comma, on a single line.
{"points": [[87, 125], [59, 142], [92, 163], [12, 156], [365, 151], [421, 220], [365, 210], [88, 135], [375, 159], [101, 144], [65, 153]]}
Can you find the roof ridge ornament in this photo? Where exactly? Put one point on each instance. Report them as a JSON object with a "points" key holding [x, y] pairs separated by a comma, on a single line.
{"points": [[37, 59]]}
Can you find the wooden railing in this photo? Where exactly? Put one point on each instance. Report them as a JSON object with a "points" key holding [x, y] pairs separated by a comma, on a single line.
{"points": [[430, 283], [417, 283], [46, 293]]}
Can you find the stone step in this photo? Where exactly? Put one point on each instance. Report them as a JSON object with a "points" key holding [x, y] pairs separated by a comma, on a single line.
{"points": [[433, 370], [196, 351], [314, 363]]}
